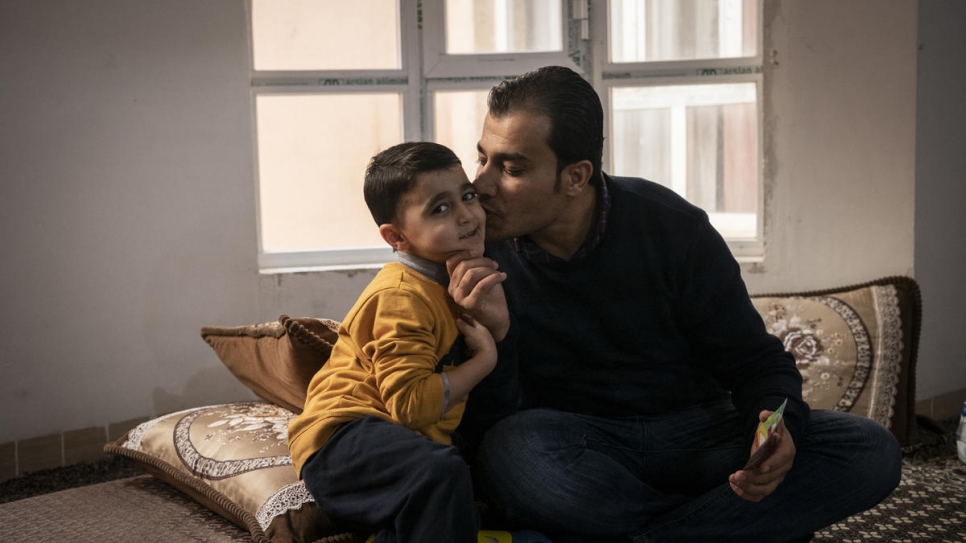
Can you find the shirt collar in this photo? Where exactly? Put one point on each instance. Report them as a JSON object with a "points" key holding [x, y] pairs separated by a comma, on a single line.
{"points": [[432, 270]]}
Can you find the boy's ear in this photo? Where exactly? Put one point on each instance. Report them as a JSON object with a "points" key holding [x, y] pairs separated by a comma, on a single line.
{"points": [[394, 237]]}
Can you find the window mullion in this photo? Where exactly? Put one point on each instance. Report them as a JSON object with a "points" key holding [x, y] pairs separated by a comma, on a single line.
{"points": [[679, 149], [412, 62]]}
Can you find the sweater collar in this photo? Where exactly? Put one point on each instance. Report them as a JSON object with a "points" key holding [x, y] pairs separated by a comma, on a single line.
{"points": [[432, 270]]}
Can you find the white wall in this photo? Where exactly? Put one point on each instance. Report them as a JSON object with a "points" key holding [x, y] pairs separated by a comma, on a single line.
{"points": [[127, 206], [127, 211], [839, 137]]}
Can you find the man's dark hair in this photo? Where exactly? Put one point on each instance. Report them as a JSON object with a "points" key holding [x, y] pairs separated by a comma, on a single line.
{"points": [[391, 174], [571, 104]]}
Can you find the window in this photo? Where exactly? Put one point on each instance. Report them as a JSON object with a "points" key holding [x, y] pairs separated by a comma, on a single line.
{"points": [[497, 26], [680, 81], [335, 82]]}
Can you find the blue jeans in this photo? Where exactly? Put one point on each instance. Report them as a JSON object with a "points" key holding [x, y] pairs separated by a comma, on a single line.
{"points": [[666, 479]]}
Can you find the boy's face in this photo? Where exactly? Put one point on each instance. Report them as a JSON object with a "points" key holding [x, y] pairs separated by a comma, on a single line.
{"points": [[440, 217]]}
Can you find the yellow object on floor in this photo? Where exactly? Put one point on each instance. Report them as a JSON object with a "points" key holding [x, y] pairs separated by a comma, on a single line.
{"points": [[494, 536]]}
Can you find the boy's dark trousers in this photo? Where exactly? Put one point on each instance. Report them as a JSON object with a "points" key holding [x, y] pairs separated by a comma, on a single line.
{"points": [[383, 474]]}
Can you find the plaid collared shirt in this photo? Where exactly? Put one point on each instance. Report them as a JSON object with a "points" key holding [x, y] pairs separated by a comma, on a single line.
{"points": [[537, 255]]}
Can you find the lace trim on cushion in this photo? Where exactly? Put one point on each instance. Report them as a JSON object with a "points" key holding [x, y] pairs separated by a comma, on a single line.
{"points": [[889, 346], [288, 498], [134, 437]]}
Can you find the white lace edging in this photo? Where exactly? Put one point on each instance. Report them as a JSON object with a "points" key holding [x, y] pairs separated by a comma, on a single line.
{"points": [[288, 498], [889, 360], [134, 437]]}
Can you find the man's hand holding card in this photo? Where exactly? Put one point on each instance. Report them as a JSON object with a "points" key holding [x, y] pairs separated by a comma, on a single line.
{"points": [[764, 444], [772, 454]]}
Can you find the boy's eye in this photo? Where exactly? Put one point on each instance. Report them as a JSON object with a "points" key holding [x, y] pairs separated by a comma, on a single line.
{"points": [[469, 196], [512, 172], [441, 208]]}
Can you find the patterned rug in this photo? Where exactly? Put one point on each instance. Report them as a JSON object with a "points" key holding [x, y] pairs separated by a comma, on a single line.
{"points": [[930, 502], [928, 505], [139, 509]]}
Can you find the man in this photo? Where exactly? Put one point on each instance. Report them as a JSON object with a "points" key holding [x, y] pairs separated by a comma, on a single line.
{"points": [[643, 367]]}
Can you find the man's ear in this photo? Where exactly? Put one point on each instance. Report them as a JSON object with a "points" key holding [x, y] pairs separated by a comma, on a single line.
{"points": [[576, 176], [393, 236]]}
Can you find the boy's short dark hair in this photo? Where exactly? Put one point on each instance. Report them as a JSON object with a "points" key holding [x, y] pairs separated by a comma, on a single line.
{"points": [[392, 173], [569, 101]]}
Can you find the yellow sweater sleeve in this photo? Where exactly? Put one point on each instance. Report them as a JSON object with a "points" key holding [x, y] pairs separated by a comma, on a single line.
{"points": [[403, 346]]}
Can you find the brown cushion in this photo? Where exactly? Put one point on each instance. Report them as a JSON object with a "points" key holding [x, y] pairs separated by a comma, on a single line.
{"points": [[234, 459], [856, 347], [276, 360]]}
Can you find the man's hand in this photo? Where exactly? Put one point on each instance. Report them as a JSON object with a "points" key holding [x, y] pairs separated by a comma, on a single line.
{"points": [[474, 285], [754, 484]]}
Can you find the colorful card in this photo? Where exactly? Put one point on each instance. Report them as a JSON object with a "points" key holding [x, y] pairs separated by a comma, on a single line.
{"points": [[763, 437]]}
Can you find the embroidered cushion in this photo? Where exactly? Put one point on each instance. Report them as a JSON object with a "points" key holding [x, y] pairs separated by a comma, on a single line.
{"points": [[856, 347], [232, 458]]}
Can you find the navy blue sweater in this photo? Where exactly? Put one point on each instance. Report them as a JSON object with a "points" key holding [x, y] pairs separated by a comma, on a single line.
{"points": [[654, 319]]}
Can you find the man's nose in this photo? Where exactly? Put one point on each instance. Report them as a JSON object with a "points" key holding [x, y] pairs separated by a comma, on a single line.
{"points": [[484, 184]]}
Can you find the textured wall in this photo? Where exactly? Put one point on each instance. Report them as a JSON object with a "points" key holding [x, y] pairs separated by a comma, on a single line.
{"points": [[127, 215]]}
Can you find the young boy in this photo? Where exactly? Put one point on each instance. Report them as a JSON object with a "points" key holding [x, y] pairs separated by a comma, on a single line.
{"points": [[373, 443]]}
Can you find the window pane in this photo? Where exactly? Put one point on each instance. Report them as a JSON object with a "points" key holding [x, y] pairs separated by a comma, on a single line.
{"points": [[503, 26], [656, 30], [459, 123], [325, 35], [312, 156], [700, 140]]}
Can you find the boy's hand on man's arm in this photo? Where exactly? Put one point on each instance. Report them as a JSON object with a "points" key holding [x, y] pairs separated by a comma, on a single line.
{"points": [[483, 357], [479, 340], [475, 286]]}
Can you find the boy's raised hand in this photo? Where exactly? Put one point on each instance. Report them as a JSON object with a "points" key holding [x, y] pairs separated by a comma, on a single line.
{"points": [[478, 338], [475, 286], [482, 359]]}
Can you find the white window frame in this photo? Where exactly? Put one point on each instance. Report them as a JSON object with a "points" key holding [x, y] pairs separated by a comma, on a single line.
{"points": [[437, 64], [607, 75], [456, 84], [404, 80], [426, 68]]}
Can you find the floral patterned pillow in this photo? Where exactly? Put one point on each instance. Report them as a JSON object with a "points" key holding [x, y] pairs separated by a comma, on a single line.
{"points": [[855, 346], [234, 459]]}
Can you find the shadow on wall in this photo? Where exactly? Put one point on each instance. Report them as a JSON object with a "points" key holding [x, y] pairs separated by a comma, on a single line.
{"points": [[206, 387]]}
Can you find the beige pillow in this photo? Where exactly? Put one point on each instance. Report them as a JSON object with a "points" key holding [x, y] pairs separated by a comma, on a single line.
{"points": [[234, 459], [855, 346], [276, 360]]}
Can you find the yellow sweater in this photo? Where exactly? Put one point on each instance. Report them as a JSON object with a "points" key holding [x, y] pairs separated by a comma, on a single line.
{"points": [[384, 364]]}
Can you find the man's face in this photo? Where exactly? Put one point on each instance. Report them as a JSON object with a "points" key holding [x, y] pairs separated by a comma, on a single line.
{"points": [[517, 177], [441, 216]]}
